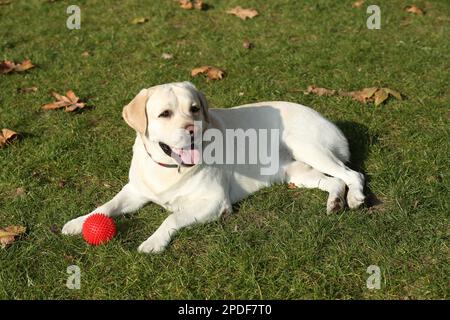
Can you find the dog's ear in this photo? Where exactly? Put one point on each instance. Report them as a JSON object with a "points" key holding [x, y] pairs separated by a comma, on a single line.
{"points": [[203, 105], [134, 113], [201, 97]]}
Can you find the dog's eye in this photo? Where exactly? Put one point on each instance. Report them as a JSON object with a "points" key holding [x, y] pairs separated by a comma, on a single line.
{"points": [[194, 109], [165, 114]]}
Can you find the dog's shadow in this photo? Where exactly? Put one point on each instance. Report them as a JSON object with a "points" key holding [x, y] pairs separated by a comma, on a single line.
{"points": [[360, 141]]}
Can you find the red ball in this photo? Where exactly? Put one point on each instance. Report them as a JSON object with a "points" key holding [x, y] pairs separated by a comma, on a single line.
{"points": [[98, 229]]}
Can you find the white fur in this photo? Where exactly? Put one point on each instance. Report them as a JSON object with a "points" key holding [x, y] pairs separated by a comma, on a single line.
{"points": [[312, 155]]}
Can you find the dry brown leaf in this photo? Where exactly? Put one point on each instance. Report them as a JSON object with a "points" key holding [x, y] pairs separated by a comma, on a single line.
{"points": [[243, 13], [377, 95], [6, 240], [415, 10], [6, 136], [20, 191], [397, 95], [25, 65], [28, 90], [247, 44], [291, 185], [8, 234], [186, 4], [70, 102], [196, 71], [213, 73], [139, 20], [319, 91], [192, 4], [4, 2], [357, 4], [85, 54], [199, 5], [362, 95], [380, 96], [7, 66]]}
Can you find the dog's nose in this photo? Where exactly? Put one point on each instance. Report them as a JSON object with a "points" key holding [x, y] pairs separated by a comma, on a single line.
{"points": [[190, 128]]}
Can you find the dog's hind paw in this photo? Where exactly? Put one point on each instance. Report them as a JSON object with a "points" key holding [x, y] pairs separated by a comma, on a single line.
{"points": [[355, 198], [335, 204]]}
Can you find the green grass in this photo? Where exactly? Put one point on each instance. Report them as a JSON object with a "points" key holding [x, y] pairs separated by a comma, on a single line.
{"points": [[279, 243]]}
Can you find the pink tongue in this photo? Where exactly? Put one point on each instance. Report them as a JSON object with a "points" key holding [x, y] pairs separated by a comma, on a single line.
{"points": [[188, 156]]}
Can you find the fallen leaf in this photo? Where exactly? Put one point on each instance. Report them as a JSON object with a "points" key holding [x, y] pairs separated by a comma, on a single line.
{"points": [[213, 73], [28, 90], [70, 102], [85, 54], [192, 4], [20, 191], [7, 66], [415, 10], [243, 13], [6, 136], [8, 234], [377, 95], [357, 4], [25, 65], [199, 5], [247, 44], [6, 240], [291, 185], [393, 93], [4, 2], [362, 95], [167, 56], [139, 20], [380, 96], [319, 91], [186, 4]]}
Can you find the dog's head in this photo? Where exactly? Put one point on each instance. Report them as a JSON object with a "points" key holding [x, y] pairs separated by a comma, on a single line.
{"points": [[166, 113]]}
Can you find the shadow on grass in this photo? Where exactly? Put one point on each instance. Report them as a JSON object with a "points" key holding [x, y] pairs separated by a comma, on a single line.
{"points": [[360, 141]]}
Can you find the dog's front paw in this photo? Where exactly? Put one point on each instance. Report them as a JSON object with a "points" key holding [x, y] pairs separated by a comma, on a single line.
{"points": [[153, 245], [74, 226]]}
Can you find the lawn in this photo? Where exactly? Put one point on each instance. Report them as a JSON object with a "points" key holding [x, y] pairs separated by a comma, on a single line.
{"points": [[279, 243]]}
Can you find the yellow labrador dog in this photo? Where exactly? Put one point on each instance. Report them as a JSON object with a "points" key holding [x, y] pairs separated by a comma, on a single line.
{"points": [[196, 162]]}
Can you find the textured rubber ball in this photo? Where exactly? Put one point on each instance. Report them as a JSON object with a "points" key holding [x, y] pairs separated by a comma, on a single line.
{"points": [[98, 229]]}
